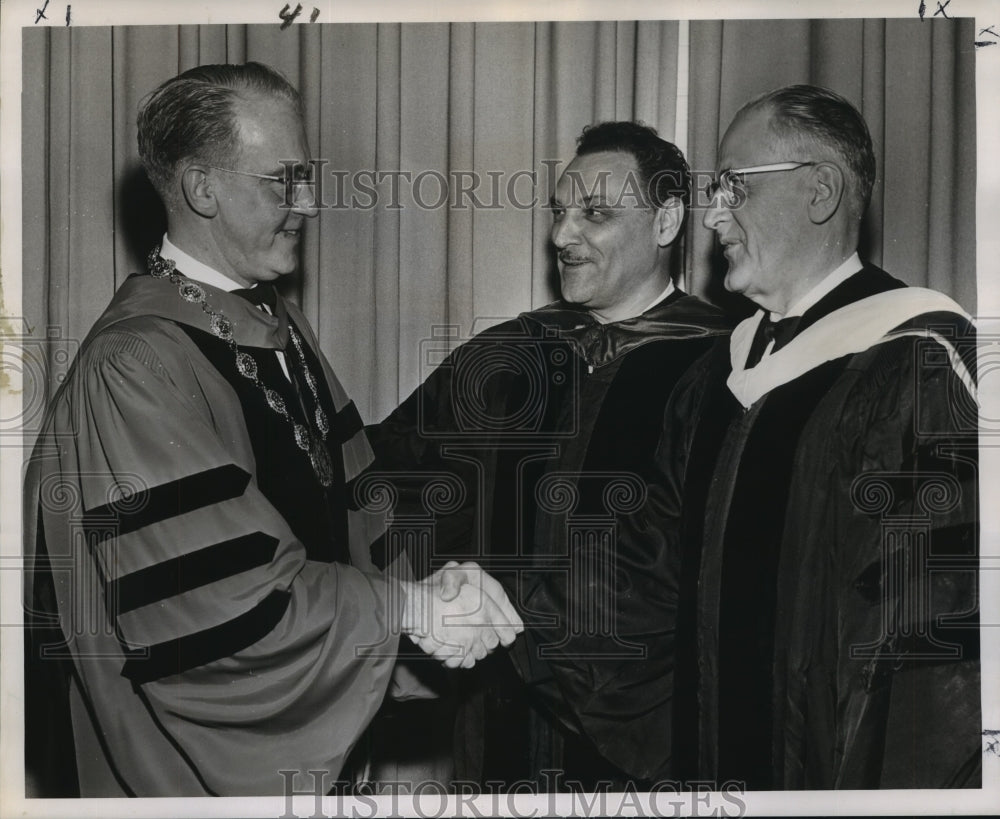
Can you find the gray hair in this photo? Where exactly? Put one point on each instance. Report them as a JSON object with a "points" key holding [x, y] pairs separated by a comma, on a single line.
{"points": [[193, 117], [811, 114]]}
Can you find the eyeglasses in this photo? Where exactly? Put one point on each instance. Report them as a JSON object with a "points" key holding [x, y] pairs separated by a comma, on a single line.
{"points": [[731, 185], [290, 183]]}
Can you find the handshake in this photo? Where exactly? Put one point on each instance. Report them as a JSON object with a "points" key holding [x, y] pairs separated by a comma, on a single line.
{"points": [[459, 614]]}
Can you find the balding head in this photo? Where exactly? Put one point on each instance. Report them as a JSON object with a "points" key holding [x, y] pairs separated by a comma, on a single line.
{"points": [[818, 122]]}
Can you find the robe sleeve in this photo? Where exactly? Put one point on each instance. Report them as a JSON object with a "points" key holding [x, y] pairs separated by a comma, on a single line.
{"points": [[901, 531], [411, 458], [247, 658], [921, 674]]}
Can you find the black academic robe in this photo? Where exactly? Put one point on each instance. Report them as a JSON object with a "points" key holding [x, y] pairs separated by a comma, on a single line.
{"points": [[828, 635], [544, 428]]}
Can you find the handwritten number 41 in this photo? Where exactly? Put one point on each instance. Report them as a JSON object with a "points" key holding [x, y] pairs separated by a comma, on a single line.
{"points": [[288, 17]]}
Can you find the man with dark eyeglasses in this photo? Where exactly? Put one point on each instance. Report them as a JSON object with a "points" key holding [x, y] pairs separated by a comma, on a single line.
{"points": [[827, 633]]}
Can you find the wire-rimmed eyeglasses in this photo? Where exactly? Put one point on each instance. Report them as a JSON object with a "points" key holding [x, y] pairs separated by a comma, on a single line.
{"points": [[729, 182], [291, 183]]}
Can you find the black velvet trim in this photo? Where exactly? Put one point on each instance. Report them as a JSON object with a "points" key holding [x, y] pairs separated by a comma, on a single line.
{"points": [[184, 653], [189, 571], [316, 514], [869, 281], [165, 501], [748, 593], [346, 423]]}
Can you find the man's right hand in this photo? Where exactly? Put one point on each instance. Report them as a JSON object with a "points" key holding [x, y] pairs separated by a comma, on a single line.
{"points": [[459, 615]]}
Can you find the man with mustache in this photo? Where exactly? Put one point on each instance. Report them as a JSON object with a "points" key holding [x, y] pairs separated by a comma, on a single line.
{"points": [[547, 425], [828, 629], [221, 627]]}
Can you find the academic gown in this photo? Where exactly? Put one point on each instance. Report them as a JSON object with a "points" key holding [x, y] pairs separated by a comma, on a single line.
{"points": [[827, 634], [214, 601], [545, 428]]}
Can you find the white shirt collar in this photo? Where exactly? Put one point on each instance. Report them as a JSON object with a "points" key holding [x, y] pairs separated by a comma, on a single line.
{"points": [[850, 266], [666, 292], [193, 269], [669, 289]]}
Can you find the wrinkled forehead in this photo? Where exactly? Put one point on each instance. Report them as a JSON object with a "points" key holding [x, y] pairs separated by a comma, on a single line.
{"points": [[750, 140], [605, 177]]}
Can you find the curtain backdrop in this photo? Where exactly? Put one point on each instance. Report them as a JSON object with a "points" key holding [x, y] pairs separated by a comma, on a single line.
{"points": [[460, 103], [914, 82], [437, 101], [476, 108]]}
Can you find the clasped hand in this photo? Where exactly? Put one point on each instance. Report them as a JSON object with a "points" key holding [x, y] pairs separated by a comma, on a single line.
{"points": [[459, 614]]}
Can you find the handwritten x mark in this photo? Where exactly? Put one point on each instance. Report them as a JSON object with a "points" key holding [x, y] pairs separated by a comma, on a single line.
{"points": [[989, 30], [940, 9], [41, 12]]}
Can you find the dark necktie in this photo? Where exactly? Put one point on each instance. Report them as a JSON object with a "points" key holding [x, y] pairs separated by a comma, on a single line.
{"points": [[263, 293], [781, 332]]}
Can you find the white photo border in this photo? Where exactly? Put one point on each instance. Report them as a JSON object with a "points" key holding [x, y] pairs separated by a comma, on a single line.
{"points": [[18, 14]]}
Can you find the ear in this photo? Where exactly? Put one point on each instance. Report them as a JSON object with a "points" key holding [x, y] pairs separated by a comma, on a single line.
{"points": [[199, 191], [668, 221], [827, 191]]}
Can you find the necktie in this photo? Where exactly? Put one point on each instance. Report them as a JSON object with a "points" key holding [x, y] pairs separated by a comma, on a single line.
{"points": [[263, 293], [781, 332]]}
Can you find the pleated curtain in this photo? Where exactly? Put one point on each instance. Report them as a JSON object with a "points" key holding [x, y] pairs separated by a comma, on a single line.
{"points": [[390, 272], [914, 82], [445, 103], [394, 266]]}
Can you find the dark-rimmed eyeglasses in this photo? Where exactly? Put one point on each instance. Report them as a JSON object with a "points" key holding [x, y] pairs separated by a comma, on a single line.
{"points": [[730, 182], [292, 184]]}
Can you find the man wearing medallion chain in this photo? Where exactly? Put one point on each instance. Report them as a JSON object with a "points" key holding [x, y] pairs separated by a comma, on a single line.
{"points": [[237, 627], [827, 629]]}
